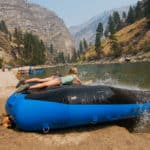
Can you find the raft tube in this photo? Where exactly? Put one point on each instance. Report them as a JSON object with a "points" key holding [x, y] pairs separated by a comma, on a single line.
{"points": [[69, 106], [36, 71]]}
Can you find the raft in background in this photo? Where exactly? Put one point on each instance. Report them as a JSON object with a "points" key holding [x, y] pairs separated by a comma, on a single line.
{"points": [[31, 71], [69, 106], [36, 71]]}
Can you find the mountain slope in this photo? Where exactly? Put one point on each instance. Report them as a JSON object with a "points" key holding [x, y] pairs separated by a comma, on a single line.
{"points": [[38, 20], [133, 39], [5, 48], [88, 29]]}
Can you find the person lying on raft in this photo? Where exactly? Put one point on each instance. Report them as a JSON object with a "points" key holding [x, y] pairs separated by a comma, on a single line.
{"points": [[52, 81], [38, 80]]}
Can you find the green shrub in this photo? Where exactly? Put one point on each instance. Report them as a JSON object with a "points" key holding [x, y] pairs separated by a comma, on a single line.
{"points": [[1, 61], [116, 48], [146, 46], [3, 27]]}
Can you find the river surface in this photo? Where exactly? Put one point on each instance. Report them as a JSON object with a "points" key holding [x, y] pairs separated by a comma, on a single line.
{"points": [[134, 76]]}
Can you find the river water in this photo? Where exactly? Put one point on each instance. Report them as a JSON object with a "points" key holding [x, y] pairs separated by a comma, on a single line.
{"points": [[134, 76]]}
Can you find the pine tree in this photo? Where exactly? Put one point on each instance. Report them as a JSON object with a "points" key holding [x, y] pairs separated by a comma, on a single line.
{"points": [[115, 46], [131, 16], [3, 27], [85, 44], [138, 11], [1, 62], [61, 57], [18, 36], [74, 56], [106, 32], [10, 36], [97, 44], [147, 9], [27, 51], [42, 58], [68, 59], [78, 53], [147, 12], [111, 26], [81, 47], [124, 15], [99, 34], [117, 20], [33, 52], [51, 49]]}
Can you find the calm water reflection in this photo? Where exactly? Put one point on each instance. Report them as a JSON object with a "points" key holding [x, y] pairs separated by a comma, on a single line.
{"points": [[129, 75]]}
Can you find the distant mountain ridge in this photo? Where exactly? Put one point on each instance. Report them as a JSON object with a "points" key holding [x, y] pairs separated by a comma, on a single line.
{"points": [[38, 20], [87, 30]]}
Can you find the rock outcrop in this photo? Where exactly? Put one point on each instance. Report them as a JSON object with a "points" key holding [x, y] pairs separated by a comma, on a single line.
{"points": [[38, 20], [5, 48]]}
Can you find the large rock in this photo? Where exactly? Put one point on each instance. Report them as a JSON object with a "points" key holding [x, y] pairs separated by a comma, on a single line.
{"points": [[40, 21]]}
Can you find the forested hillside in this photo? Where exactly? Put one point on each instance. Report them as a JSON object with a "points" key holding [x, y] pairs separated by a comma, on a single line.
{"points": [[43, 27], [20, 48], [125, 37]]}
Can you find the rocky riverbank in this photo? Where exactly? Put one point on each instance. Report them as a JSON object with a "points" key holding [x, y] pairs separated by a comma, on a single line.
{"points": [[140, 57]]}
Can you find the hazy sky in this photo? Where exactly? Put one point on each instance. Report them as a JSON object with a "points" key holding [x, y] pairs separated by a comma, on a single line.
{"points": [[75, 12]]}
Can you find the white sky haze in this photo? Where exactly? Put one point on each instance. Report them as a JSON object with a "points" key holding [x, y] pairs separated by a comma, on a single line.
{"points": [[75, 12]]}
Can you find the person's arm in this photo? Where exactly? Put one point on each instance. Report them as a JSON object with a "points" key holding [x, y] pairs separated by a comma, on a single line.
{"points": [[78, 80]]}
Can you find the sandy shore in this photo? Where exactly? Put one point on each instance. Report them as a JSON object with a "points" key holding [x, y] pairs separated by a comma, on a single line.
{"points": [[95, 137], [8, 82]]}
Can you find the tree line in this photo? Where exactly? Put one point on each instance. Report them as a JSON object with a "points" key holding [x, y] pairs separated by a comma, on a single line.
{"points": [[83, 47], [117, 22], [60, 57], [31, 49]]}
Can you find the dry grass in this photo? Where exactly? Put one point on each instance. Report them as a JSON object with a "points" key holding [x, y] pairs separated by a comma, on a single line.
{"points": [[131, 39]]}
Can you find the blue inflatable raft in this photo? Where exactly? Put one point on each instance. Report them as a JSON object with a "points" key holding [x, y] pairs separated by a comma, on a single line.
{"points": [[36, 71], [69, 106]]}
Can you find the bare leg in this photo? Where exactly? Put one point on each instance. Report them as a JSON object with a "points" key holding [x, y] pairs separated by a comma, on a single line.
{"points": [[32, 80], [54, 82], [39, 80]]}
